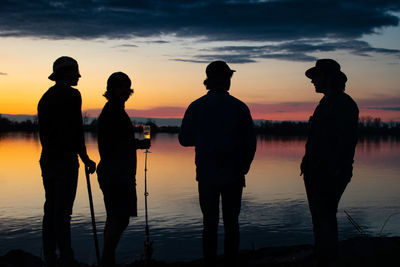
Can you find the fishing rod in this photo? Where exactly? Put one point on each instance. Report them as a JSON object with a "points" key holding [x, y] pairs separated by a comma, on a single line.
{"points": [[96, 242], [355, 224], [148, 245]]}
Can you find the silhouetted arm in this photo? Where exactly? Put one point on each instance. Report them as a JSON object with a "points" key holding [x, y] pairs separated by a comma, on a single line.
{"points": [[304, 165], [80, 135], [142, 144], [346, 136], [250, 141], [44, 122], [186, 133]]}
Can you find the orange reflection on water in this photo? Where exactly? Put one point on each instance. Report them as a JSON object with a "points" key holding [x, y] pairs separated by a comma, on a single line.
{"points": [[21, 189], [274, 173]]}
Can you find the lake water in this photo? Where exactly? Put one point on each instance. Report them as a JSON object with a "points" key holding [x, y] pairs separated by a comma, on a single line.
{"points": [[274, 207]]}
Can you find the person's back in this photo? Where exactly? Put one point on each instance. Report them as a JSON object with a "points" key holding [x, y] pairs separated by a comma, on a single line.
{"points": [[220, 128], [221, 131]]}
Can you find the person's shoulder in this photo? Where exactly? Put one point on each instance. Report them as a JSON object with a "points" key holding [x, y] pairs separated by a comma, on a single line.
{"points": [[347, 98], [348, 101], [346, 107], [239, 102], [47, 95], [105, 110], [105, 117], [201, 98], [75, 92], [198, 101], [50, 91]]}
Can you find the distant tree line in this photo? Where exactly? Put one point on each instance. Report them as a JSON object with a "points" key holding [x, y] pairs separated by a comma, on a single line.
{"points": [[137, 126], [374, 126], [367, 126], [7, 125]]}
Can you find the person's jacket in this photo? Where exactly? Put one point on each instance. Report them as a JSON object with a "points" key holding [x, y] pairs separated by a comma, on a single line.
{"points": [[332, 137], [60, 126], [221, 129]]}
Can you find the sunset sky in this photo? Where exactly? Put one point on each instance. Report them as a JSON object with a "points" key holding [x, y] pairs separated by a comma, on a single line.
{"points": [[165, 46]]}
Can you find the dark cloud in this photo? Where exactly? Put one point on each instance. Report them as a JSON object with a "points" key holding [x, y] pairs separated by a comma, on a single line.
{"points": [[386, 108], [380, 101], [128, 45], [190, 60], [297, 27], [231, 58], [289, 56], [299, 50], [214, 19], [157, 42], [3, 73]]}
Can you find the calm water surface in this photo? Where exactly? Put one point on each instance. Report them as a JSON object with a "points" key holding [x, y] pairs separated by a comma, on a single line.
{"points": [[274, 207]]}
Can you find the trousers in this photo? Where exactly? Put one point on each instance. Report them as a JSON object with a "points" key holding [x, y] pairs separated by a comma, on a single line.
{"points": [[231, 197], [60, 186], [323, 193]]}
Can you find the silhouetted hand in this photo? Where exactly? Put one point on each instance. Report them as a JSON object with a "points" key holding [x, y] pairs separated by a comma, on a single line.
{"points": [[91, 165], [146, 144]]}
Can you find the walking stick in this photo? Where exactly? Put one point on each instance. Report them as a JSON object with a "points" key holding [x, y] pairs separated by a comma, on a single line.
{"points": [[96, 242], [148, 249]]}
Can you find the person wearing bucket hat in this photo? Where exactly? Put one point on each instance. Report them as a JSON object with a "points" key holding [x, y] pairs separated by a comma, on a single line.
{"points": [[328, 67], [328, 161], [220, 127], [62, 140]]}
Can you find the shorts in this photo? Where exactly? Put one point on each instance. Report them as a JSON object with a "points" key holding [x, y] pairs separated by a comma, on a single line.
{"points": [[120, 197]]}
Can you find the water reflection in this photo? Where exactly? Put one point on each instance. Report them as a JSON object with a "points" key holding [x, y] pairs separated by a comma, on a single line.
{"points": [[274, 212]]}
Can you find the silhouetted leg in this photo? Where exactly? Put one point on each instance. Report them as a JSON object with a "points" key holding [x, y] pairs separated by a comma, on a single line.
{"points": [[60, 189], [323, 199], [231, 196], [209, 204], [66, 192], [48, 225], [113, 230]]}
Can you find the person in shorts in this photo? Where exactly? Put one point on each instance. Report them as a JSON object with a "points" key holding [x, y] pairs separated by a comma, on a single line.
{"points": [[117, 167]]}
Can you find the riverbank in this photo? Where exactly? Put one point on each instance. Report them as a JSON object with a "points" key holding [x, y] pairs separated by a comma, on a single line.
{"points": [[361, 251]]}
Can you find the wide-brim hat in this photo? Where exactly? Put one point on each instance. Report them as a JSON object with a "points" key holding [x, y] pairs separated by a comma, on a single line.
{"points": [[61, 64], [326, 66], [219, 69]]}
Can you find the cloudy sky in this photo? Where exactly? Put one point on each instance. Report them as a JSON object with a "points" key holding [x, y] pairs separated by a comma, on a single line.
{"points": [[165, 45]]}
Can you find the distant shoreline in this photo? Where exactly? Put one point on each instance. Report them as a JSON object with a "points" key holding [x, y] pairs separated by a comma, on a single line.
{"points": [[368, 126]]}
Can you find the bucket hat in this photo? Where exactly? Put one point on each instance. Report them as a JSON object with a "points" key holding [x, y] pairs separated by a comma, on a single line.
{"points": [[61, 64], [326, 66]]}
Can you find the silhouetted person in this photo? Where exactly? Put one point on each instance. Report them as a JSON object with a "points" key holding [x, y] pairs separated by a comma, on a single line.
{"points": [[220, 128], [62, 139], [117, 168], [328, 161]]}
